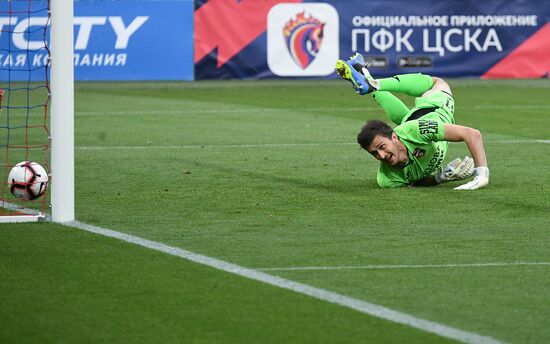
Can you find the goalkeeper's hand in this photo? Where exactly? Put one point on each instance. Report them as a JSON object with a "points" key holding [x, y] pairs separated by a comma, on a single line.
{"points": [[457, 169], [481, 179]]}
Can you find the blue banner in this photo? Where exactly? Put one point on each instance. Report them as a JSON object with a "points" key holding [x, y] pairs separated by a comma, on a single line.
{"points": [[23, 53], [295, 38], [448, 38], [114, 40]]}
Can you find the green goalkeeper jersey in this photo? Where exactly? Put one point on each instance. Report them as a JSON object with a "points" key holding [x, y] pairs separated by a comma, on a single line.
{"points": [[426, 150]]}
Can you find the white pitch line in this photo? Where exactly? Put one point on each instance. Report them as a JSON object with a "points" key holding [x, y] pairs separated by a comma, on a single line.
{"points": [[301, 288], [515, 106], [20, 208], [318, 293], [209, 111], [520, 141], [259, 145], [417, 266]]}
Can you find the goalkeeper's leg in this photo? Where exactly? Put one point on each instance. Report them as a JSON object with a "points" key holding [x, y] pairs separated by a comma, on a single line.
{"points": [[438, 85], [392, 106], [355, 70], [427, 89], [414, 85]]}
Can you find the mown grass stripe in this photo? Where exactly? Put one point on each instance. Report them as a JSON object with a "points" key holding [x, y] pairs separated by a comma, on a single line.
{"points": [[156, 112], [412, 266], [271, 145], [318, 293]]}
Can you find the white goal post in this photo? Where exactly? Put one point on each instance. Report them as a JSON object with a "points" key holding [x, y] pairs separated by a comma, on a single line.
{"points": [[62, 110], [21, 35]]}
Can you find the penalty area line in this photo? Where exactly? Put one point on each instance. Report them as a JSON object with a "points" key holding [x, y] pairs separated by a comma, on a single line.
{"points": [[414, 266], [218, 111], [301, 288], [258, 145]]}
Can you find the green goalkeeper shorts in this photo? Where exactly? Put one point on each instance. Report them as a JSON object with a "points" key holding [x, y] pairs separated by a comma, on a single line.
{"points": [[441, 103]]}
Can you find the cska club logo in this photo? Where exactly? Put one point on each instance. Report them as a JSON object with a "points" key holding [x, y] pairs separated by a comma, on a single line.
{"points": [[303, 37], [419, 153]]}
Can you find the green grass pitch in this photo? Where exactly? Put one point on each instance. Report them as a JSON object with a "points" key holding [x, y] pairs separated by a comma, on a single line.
{"points": [[267, 175]]}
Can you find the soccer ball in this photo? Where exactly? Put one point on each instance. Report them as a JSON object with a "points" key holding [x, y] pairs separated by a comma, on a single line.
{"points": [[28, 180]]}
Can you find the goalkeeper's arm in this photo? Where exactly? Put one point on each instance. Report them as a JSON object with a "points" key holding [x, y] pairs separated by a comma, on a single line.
{"points": [[474, 142], [457, 169]]}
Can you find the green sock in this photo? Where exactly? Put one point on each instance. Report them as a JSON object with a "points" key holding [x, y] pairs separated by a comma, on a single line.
{"points": [[392, 106], [411, 84]]}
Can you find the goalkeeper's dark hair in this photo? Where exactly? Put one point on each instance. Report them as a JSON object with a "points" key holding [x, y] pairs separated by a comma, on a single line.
{"points": [[371, 130]]}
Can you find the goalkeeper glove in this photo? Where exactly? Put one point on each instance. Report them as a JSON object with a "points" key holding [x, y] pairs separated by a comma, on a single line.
{"points": [[481, 179], [457, 169]]}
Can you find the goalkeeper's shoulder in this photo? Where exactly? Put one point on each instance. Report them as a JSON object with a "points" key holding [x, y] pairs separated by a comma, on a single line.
{"points": [[389, 180]]}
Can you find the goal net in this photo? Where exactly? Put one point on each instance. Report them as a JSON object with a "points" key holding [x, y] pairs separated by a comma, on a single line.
{"points": [[25, 100]]}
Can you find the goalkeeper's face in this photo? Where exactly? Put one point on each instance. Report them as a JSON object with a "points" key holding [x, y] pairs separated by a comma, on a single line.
{"points": [[389, 150]]}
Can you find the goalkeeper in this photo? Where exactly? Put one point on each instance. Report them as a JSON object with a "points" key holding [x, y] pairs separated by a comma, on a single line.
{"points": [[412, 153]]}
